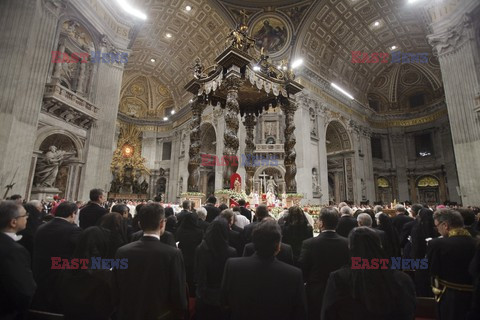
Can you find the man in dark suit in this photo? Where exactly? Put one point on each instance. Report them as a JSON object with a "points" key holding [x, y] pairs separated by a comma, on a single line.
{"points": [[347, 222], [153, 286], [244, 211], [260, 286], [212, 211], [407, 230], [365, 220], [449, 258], [94, 210], [56, 238], [186, 204], [401, 218], [16, 279], [285, 254], [260, 213], [321, 255]]}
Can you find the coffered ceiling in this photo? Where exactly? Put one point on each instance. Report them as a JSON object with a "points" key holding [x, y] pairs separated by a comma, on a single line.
{"points": [[323, 33]]}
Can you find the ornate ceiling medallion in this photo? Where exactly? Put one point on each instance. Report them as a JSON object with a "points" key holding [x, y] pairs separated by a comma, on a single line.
{"points": [[271, 32]]}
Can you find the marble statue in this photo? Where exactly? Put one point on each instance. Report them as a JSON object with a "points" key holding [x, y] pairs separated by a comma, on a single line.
{"points": [[47, 166], [271, 185]]}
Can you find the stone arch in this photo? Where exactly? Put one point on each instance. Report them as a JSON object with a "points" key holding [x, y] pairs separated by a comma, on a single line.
{"points": [[208, 138], [46, 132], [337, 137]]}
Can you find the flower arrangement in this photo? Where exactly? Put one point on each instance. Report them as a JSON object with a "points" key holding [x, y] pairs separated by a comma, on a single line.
{"points": [[233, 194], [276, 211], [192, 194]]}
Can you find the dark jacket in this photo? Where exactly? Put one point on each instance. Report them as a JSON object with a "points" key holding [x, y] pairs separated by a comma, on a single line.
{"points": [[285, 254], [247, 213], [56, 238], [154, 282], [400, 220], [319, 257], [167, 238], [91, 214], [340, 304], [87, 294], [212, 212], [294, 235], [449, 260], [345, 225], [16, 279], [257, 288]]}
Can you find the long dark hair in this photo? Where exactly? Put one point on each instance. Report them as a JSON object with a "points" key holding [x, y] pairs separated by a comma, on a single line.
{"points": [[391, 235], [216, 239], [93, 242], [117, 227], [296, 217], [423, 230], [376, 289]]}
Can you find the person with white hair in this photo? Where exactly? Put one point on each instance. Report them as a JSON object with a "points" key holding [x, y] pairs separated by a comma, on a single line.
{"points": [[202, 216], [401, 218], [346, 222]]}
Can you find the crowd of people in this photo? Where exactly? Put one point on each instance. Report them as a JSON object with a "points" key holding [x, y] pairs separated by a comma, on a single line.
{"points": [[106, 260]]}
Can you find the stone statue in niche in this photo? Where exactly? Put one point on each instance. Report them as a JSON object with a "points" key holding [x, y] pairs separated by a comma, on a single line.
{"points": [[270, 129], [364, 189], [48, 165], [313, 126], [315, 184]]}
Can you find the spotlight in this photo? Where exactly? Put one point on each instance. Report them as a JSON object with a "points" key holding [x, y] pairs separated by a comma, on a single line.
{"points": [[256, 68], [168, 35], [134, 12], [172, 112], [188, 8], [393, 47], [342, 91], [297, 63], [165, 118], [152, 60], [376, 23]]}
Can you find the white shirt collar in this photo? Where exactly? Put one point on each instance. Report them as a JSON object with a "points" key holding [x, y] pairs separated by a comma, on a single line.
{"points": [[328, 231], [14, 236], [151, 235]]}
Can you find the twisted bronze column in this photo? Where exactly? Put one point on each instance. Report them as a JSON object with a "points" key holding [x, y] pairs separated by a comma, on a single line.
{"points": [[289, 107], [194, 151], [249, 123], [230, 136]]}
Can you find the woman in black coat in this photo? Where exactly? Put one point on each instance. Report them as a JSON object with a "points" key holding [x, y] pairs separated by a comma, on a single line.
{"points": [[368, 294], [88, 293], [189, 235], [210, 258], [392, 247], [295, 230]]}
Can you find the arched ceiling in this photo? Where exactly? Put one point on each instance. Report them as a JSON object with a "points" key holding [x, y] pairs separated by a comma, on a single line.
{"points": [[324, 33], [335, 28]]}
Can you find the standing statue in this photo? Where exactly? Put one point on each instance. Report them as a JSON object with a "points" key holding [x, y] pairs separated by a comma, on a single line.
{"points": [[116, 184], [271, 185], [47, 167], [315, 184], [144, 187]]}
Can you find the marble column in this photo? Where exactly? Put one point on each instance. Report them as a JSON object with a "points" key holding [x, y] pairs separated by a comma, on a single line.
{"points": [[289, 107], [193, 183], [322, 157], [455, 41], [27, 41], [102, 134], [230, 135]]}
